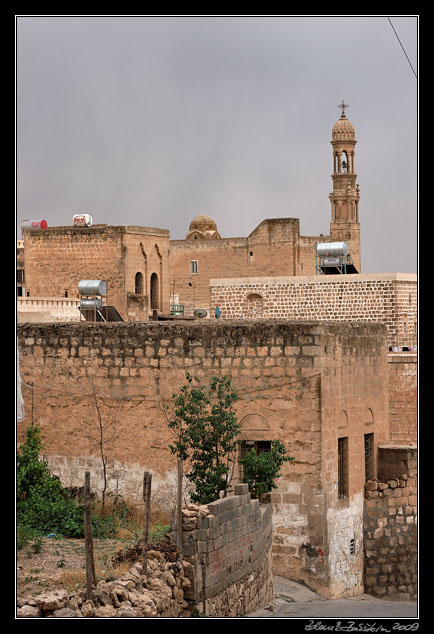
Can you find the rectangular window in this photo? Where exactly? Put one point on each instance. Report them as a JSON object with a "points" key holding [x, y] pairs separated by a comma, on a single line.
{"points": [[193, 267], [258, 445], [20, 276], [342, 468], [369, 456]]}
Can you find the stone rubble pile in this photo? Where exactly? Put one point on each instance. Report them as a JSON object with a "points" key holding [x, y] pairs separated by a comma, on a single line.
{"points": [[129, 596]]}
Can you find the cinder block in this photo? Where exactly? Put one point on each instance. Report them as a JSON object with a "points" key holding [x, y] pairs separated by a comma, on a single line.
{"points": [[241, 489]]}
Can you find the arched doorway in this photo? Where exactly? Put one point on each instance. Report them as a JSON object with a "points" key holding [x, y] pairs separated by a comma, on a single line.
{"points": [[154, 291]]}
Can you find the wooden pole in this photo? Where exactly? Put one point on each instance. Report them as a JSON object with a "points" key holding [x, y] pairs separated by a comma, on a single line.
{"points": [[147, 479], [179, 508], [88, 540]]}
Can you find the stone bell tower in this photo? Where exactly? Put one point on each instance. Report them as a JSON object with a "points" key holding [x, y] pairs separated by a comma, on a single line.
{"points": [[344, 199]]}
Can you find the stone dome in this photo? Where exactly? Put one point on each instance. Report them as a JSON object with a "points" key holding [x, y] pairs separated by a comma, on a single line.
{"points": [[202, 227], [343, 129]]}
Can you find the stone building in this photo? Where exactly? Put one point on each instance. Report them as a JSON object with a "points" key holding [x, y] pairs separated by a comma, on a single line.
{"points": [[145, 270], [133, 261]]}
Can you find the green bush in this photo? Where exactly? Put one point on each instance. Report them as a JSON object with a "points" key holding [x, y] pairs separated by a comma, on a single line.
{"points": [[43, 504], [262, 470]]}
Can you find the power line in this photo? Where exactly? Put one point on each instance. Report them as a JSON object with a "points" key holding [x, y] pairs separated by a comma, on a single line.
{"points": [[390, 21]]}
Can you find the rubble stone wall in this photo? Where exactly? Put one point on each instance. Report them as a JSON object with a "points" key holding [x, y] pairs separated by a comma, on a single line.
{"points": [[390, 526]]}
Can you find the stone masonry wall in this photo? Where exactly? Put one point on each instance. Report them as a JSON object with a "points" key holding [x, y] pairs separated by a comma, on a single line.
{"points": [[390, 527], [403, 398], [229, 546], [387, 298]]}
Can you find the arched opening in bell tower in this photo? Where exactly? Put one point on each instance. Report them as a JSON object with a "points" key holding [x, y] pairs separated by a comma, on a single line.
{"points": [[344, 162]]}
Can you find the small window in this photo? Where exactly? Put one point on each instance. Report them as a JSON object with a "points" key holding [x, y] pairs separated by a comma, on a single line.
{"points": [[342, 468], [193, 267], [251, 255], [369, 456], [258, 445], [66, 293]]}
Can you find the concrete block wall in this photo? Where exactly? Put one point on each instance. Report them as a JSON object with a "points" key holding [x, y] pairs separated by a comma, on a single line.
{"points": [[230, 551]]}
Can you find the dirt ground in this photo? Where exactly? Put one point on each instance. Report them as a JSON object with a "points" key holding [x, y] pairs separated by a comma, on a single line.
{"points": [[61, 564]]}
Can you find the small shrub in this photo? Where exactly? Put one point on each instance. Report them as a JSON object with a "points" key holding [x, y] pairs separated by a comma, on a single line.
{"points": [[158, 533], [262, 470], [37, 545], [24, 535]]}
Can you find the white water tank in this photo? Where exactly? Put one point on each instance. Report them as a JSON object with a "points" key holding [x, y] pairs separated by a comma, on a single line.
{"points": [[82, 220], [92, 287], [91, 304], [34, 224], [332, 249]]}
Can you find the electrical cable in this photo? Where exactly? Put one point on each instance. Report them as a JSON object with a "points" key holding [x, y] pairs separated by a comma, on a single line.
{"points": [[390, 21]]}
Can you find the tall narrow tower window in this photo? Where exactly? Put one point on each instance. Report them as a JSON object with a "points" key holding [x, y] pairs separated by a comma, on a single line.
{"points": [[343, 468], [138, 284]]}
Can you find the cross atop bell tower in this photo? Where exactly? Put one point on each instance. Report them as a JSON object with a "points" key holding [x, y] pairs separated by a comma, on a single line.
{"points": [[344, 199], [343, 105]]}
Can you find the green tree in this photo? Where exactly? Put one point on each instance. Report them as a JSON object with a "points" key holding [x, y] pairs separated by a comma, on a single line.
{"points": [[206, 430], [261, 470]]}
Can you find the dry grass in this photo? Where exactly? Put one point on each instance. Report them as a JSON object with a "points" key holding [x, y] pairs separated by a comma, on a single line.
{"points": [[73, 580]]}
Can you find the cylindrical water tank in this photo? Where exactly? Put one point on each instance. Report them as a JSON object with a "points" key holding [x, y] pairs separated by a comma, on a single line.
{"points": [[91, 303], [333, 249], [82, 220], [92, 287], [34, 224]]}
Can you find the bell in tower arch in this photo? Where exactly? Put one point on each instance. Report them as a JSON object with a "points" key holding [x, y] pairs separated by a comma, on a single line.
{"points": [[344, 162]]}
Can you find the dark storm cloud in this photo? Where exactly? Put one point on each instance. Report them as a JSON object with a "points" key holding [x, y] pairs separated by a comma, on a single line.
{"points": [[152, 120]]}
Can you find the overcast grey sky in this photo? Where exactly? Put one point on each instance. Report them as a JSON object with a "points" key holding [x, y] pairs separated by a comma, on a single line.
{"points": [[152, 120]]}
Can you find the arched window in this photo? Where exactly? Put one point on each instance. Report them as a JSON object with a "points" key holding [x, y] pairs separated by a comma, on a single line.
{"points": [[154, 291], [138, 284]]}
